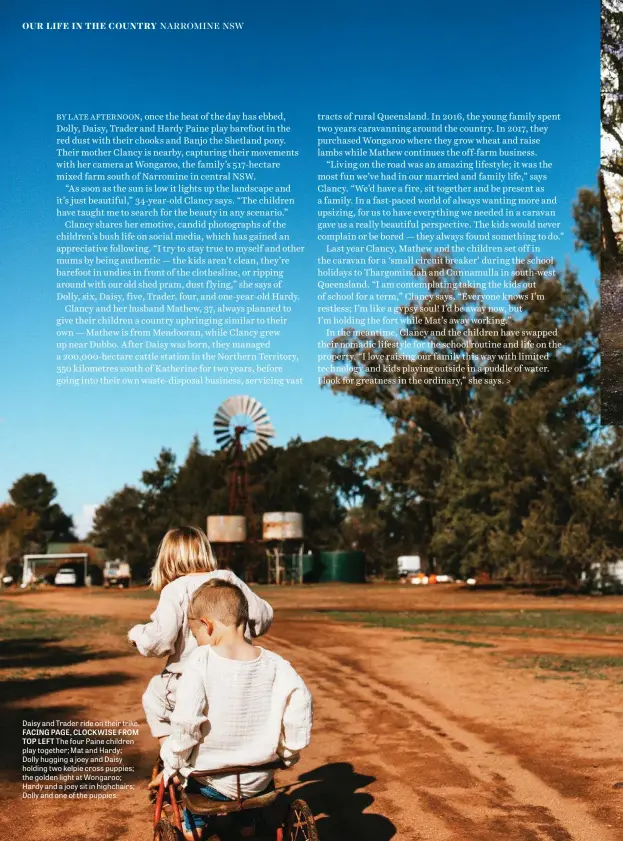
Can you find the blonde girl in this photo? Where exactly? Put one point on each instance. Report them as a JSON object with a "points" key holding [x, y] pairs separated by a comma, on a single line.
{"points": [[185, 562]]}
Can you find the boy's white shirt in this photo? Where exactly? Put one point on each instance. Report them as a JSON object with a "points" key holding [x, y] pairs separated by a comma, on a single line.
{"points": [[237, 712], [168, 631]]}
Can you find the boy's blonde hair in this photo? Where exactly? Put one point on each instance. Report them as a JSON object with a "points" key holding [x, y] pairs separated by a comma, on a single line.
{"points": [[220, 600], [182, 550]]}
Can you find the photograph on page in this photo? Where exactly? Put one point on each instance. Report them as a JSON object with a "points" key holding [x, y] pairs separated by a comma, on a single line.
{"points": [[311, 463]]}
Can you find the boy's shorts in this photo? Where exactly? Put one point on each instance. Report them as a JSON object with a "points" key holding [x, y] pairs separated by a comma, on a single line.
{"points": [[199, 821], [192, 821]]}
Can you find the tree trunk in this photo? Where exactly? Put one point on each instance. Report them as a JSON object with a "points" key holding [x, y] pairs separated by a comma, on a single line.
{"points": [[609, 244]]}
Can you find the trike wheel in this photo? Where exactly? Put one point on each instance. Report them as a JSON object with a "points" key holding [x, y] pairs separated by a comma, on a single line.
{"points": [[300, 823], [164, 831]]}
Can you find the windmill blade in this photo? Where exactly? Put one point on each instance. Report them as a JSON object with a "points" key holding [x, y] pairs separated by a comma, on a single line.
{"points": [[223, 412], [265, 434], [261, 445], [264, 430], [263, 419], [228, 407], [253, 405], [222, 430], [259, 448], [259, 416], [252, 452], [232, 405], [248, 405], [257, 411]]}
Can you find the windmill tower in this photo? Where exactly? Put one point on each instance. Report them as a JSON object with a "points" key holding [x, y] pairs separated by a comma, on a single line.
{"points": [[243, 429]]}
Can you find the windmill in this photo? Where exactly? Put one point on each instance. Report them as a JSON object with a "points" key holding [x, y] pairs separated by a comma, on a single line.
{"points": [[243, 430]]}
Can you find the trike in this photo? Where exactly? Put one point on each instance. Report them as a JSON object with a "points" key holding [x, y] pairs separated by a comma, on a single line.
{"points": [[278, 817]]}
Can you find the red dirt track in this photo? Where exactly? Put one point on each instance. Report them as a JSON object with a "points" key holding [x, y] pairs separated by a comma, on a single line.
{"points": [[413, 740]]}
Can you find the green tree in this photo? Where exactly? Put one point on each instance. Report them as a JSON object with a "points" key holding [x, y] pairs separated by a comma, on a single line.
{"points": [[586, 215], [489, 465], [425, 384], [611, 127], [16, 530], [159, 497], [34, 493], [122, 526], [320, 479], [201, 486], [132, 522]]}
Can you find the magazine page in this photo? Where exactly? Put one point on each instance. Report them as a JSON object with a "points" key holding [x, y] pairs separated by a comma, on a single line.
{"points": [[311, 519]]}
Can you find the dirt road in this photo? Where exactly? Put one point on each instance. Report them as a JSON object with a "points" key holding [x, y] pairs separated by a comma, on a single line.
{"points": [[414, 741]]}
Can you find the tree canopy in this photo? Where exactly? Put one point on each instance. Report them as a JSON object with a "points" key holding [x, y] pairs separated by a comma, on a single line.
{"points": [[495, 465], [31, 520], [34, 493], [611, 176], [319, 479]]}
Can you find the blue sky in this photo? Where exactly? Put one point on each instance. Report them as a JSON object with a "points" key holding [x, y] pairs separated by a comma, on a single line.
{"points": [[299, 58]]}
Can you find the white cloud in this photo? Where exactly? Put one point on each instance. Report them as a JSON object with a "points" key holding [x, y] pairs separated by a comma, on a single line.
{"points": [[84, 520]]}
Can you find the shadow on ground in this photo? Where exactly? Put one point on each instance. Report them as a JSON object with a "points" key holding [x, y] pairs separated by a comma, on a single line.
{"points": [[41, 653], [17, 693], [27, 674], [334, 791]]}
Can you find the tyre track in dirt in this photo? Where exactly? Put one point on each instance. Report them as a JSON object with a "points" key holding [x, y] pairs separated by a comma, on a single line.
{"points": [[441, 780]]}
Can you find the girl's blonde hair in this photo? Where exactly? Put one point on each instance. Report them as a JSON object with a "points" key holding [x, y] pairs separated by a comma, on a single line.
{"points": [[182, 550]]}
